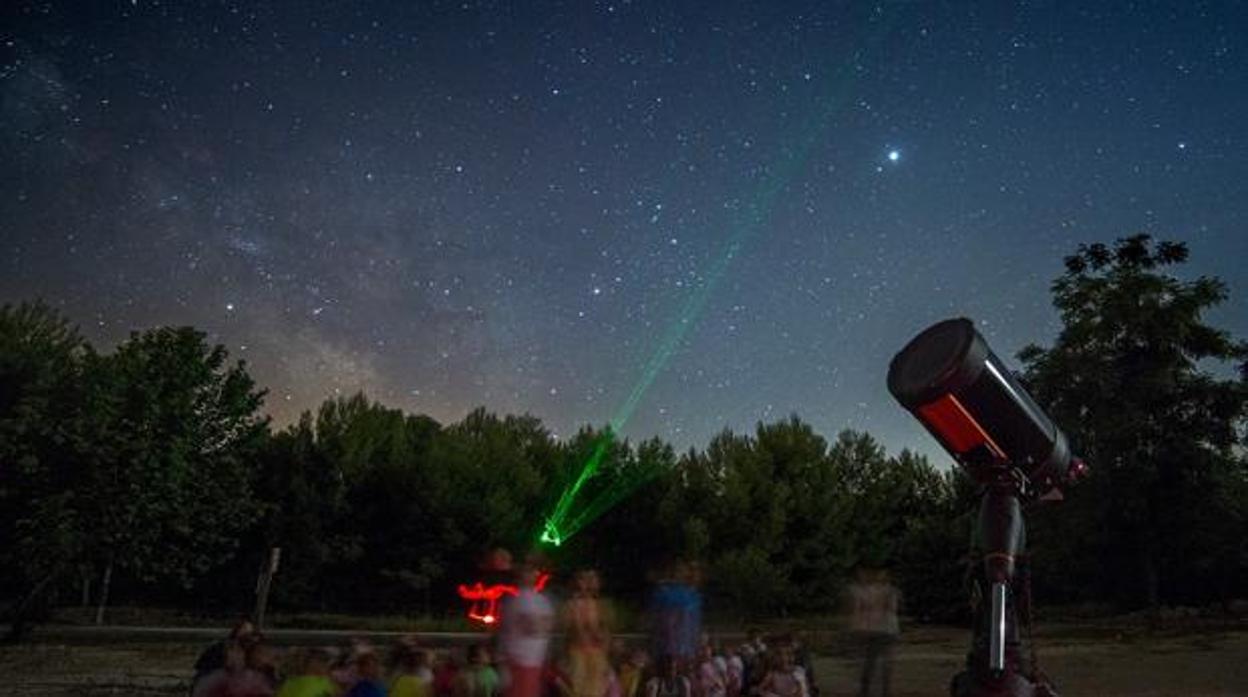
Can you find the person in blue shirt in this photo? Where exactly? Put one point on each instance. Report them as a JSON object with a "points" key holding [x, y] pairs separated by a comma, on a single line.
{"points": [[369, 682]]}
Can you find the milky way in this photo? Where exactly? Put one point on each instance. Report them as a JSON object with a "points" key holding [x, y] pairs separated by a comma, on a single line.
{"points": [[683, 218]]}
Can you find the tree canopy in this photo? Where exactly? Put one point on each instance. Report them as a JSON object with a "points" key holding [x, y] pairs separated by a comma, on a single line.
{"points": [[154, 463], [1133, 377]]}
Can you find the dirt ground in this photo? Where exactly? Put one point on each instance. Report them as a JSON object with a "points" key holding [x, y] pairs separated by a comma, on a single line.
{"points": [[1205, 664], [1188, 665]]}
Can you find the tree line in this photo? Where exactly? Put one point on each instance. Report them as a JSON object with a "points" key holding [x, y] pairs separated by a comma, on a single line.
{"points": [[149, 474]]}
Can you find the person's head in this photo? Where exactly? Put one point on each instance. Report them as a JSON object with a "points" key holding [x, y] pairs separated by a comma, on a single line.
{"points": [[587, 582], [478, 655], [666, 667], [784, 658], [705, 652], [316, 661], [798, 639], [526, 575], [530, 570], [453, 658], [412, 658], [242, 629], [693, 576], [639, 658], [408, 656], [682, 572], [368, 665]]}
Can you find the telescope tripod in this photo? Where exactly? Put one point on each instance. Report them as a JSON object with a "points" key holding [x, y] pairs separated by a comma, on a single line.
{"points": [[998, 664]]}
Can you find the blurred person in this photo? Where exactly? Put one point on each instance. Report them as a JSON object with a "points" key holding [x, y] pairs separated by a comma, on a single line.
{"points": [[344, 671], [805, 660], [676, 615], [445, 671], [717, 656], [413, 678], [368, 676], [613, 684], [709, 678], [528, 618], [213, 658], [873, 604], [630, 673], [478, 678], [555, 681], [587, 636], [233, 678], [312, 676], [753, 655], [667, 680], [784, 678], [734, 669], [261, 659]]}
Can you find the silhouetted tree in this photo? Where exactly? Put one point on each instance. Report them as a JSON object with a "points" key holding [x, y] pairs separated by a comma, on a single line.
{"points": [[1162, 517], [41, 529], [167, 484]]}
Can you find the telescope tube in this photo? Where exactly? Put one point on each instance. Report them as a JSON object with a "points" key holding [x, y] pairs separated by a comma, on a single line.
{"points": [[953, 383]]}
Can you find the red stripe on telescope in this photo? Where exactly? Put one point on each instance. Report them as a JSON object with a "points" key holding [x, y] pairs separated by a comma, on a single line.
{"points": [[949, 421]]}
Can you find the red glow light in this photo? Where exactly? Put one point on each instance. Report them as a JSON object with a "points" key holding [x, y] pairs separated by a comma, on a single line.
{"points": [[483, 600]]}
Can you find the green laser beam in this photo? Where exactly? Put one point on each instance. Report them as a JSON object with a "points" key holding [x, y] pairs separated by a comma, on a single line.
{"points": [[622, 484], [618, 491], [559, 527], [553, 532]]}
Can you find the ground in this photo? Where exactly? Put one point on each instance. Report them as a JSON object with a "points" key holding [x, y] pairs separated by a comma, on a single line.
{"points": [[1150, 665], [1109, 664]]}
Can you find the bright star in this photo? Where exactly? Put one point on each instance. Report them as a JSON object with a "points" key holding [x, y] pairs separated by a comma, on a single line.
{"points": [[894, 155]]}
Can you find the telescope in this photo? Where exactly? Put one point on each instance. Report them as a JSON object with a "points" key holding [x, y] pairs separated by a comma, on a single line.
{"points": [[962, 393]]}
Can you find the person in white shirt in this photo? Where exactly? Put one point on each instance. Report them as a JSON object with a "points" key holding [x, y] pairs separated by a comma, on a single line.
{"points": [[527, 619], [873, 620]]}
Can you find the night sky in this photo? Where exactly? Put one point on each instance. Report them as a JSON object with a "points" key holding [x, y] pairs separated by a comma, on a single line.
{"points": [[681, 217]]}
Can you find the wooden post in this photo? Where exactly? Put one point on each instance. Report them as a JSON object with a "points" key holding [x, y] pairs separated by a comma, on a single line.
{"points": [[263, 584]]}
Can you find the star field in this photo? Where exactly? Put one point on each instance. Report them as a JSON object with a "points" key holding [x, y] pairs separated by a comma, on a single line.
{"points": [[513, 204]]}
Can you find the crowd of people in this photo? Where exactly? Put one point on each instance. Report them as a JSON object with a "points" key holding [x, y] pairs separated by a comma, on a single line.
{"points": [[679, 660]]}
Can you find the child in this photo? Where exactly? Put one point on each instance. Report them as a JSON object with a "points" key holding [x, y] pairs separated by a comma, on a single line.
{"points": [[233, 678], [735, 670], [709, 680], [444, 673], [262, 661], [344, 672], [367, 677], [478, 678], [312, 678], [414, 679], [785, 679], [667, 682], [630, 673]]}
